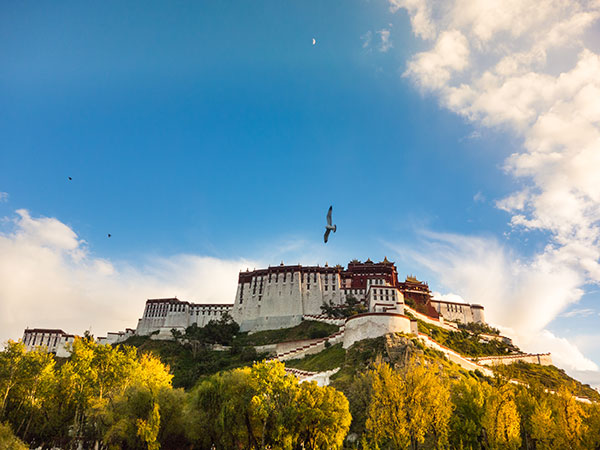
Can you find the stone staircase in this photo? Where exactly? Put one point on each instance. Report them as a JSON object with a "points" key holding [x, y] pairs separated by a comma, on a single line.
{"points": [[322, 378], [311, 348], [324, 319]]}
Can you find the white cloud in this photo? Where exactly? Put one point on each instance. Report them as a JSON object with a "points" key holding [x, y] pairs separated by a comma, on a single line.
{"points": [[448, 297], [433, 69], [582, 312], [479, 197], [3, 197], [385, 43], [366, 38], [48, 278], [520, 297], [524, 68]]}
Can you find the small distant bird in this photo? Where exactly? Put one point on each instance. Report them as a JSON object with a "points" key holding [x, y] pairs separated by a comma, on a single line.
{"points": [[329, 228], [70, 179], [314, 41], [109, 235]]}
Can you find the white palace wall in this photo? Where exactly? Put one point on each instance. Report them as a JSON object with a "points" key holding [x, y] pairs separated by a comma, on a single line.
{"points": [[163, 315], [372, 325], [280, 300]]}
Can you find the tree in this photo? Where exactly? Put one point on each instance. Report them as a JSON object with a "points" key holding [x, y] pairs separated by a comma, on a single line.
{"points": [[219, 411], [274, 393], [321, 417], [8, 441], [468, 398], [263, 406], [148, 429], [386, 425], [570, 419], [428, 405], [501, 419], [543, 426], [11, 364], [351, 307]]}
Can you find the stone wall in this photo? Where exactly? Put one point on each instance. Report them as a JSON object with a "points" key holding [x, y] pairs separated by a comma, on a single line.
{"points": [[372, 325], [544, 359]]}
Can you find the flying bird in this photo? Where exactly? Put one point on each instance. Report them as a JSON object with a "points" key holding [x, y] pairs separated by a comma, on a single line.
{"points": [[314, 41], [329, 227], [70, 179], [109, 235]]}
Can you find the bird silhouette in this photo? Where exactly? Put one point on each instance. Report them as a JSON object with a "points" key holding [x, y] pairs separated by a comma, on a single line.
{"points": [[329, 228], [109, 235], [70, 179]]}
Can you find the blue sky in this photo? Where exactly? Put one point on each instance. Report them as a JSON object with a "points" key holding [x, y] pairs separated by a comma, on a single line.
{"points": [[217, 129]]}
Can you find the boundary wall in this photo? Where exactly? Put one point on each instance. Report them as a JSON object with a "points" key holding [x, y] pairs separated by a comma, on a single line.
{"points": [[543, 359]]}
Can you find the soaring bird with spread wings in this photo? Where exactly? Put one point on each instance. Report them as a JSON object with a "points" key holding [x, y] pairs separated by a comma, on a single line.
{"points": [[329, 228]]}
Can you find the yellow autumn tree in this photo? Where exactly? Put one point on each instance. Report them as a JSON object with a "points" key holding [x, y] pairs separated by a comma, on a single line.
{"points": [[428, 404], [468, 398], [570, 420], [147, 429], [543, 426], [386, 425], [501, 419]]}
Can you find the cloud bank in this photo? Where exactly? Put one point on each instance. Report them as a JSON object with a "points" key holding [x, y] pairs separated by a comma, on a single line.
{"points": [[524, 68], [49, 279]]}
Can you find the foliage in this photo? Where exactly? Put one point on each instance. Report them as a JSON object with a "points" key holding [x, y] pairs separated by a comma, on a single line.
{"points": [[261, 406], [8, 441], [351, 307], [468, 397], [501, 419], [398, 394], [328, 359], [465, 342], [90, 398], [409, 408], [548, 377], [479, 328], [220, 332], [187, 369]]}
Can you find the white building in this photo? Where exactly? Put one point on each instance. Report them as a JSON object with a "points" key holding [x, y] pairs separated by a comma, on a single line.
{"points": [[164, 314], [458, 312], [52, 340], [280, 296]]}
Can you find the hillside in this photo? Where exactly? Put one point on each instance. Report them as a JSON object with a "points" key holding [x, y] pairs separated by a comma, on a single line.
{"points": [[189, 364]]}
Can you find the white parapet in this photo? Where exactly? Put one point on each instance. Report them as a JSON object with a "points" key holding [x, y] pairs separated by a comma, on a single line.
{"points": [[372, 325], [543, 359]]}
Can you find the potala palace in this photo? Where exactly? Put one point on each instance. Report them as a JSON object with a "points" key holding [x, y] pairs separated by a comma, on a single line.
{"points": [[283, 296]]}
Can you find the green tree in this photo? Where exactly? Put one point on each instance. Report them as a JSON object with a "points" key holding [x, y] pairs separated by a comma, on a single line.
{"points": [[147, 429], [12, 360], [543, 426], [321, 416], [468, 398], [219, 411], [274, 393]]}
